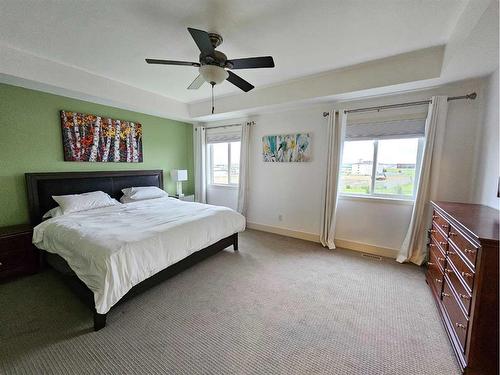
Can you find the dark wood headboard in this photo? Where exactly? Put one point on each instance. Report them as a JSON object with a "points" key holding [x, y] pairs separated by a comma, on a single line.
{"points": [[42, 186]]}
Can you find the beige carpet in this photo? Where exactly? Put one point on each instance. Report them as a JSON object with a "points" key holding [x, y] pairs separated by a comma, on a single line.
{"points": [[279, 306]]}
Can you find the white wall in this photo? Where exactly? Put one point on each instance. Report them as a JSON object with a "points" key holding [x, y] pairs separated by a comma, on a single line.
{"points": [[294, 190], [488, 161], [222, 196]]}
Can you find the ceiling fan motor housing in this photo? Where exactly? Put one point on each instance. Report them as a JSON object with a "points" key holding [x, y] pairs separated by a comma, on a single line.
{"points": [[217, 58]]}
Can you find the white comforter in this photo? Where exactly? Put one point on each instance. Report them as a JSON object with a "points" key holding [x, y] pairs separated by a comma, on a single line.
{"points": [[111, 249]]}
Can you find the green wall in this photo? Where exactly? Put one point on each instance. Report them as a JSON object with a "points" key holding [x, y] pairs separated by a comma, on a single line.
{"points": [[31, 141]]}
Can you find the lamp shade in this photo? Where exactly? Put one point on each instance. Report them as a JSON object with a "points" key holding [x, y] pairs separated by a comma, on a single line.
{"points": [[213, 73], [179, 174]]}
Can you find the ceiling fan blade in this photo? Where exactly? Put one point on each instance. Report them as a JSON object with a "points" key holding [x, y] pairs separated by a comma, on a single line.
{"points": [[196, 84], [202, 40], [172, 62], [251, 62], [239, 82]]}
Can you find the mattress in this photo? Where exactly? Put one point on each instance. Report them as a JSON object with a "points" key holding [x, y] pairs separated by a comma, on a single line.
{"points": [[111, 249]]}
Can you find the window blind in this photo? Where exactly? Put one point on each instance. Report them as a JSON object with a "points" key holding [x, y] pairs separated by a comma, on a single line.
{"points": [[222, 135], [403, 128]]}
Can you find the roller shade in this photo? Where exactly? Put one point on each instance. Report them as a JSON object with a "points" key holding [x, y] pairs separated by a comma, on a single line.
{"points": [[222, 135], [402, 128]]}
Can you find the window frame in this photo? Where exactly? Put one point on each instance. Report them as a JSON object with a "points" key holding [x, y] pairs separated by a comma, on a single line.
{"points": [[393, 197], [210, 174]]}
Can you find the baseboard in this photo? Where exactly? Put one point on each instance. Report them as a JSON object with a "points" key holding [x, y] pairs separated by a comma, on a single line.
{"points": [[366, 248], [313, 237], [284, 232]]}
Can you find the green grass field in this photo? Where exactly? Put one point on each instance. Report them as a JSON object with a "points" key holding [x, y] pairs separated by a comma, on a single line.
{"points": [[398, 181]]}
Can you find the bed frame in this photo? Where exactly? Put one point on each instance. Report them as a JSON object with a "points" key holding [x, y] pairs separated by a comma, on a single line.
{"points": [[41, 187]]}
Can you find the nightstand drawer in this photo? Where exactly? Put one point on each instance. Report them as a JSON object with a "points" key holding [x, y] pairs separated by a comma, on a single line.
{"points": [[18, 256], [15, 243], [11, 259]]}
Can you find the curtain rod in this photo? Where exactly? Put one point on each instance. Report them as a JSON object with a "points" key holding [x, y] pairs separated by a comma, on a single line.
{"points": [[226, 126], [470, 96]]}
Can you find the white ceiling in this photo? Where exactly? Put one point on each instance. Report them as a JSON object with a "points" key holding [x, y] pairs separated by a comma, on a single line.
{"points": [[111, 38]]}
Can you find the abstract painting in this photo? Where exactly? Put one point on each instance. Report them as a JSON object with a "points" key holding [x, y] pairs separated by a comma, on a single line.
{"points": [[287, 148], [100, 139]]}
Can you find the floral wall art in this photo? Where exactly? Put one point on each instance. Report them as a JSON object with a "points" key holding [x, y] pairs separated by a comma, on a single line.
{"points": [[94, 138], [287, 148]]}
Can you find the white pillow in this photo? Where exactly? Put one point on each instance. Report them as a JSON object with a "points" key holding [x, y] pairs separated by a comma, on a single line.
{"points": [[125, 199], [143, 192], [83, 202], [55, 212]]}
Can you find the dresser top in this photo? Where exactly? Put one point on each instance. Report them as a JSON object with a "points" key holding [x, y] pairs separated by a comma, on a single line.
{"points": [[15, 229], [482, 221]]}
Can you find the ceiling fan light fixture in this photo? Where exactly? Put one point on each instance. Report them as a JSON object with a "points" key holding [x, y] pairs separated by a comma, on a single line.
{"points": [[213, 74]]}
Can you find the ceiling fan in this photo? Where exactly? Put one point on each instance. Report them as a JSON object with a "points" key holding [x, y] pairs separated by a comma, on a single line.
{"points": [[213, 65]]}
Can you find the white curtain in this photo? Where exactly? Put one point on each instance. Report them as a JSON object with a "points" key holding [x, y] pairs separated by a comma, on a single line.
{"points": [[244, 166], [414, 246], [200, 178], [335, 139]]}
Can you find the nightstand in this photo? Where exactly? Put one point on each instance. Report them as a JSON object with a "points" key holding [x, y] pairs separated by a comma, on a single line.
{"points": [[185, 198], [18, 256]]}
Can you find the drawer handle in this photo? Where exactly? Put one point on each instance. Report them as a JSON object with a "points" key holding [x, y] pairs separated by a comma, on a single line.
{"points": [[464, 296], [460, 325], [466, 274], [445, 294], [452, 234], [431, 264], [431, 245], [1, 264], [432, 231], [435, 216], [448, 270], [438, 280], [444, 226], [469, 251], [451, 252], [442, 243], [440, 259]]}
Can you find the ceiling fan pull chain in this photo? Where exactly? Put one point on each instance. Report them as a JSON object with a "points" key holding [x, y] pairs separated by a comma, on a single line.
{"points": [[213, 104]]}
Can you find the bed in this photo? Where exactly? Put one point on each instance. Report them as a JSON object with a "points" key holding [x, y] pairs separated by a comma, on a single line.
{"points": [[108, 254]]}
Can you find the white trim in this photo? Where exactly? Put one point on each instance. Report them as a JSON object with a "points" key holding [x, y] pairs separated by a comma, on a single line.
{"points": [[223, 186], [366, 248], [377, 199], [313, 237]]}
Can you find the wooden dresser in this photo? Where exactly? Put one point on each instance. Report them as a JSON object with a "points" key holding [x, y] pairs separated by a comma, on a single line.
{"points": [[18, 256], [463, 276]]}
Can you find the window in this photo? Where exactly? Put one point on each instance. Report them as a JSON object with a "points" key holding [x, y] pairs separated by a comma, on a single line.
{"points": [[381, 167], [224, 163]]}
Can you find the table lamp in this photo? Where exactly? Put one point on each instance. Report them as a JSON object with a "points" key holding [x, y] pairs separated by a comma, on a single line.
{"points": [[179, 175]]}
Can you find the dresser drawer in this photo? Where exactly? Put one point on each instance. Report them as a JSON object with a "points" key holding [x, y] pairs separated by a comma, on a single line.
{"points": [[440, 221], [460, 268], [436, 255], [435, 278], [464, 245], [439, 238], [464, 296], [457, 319]]}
